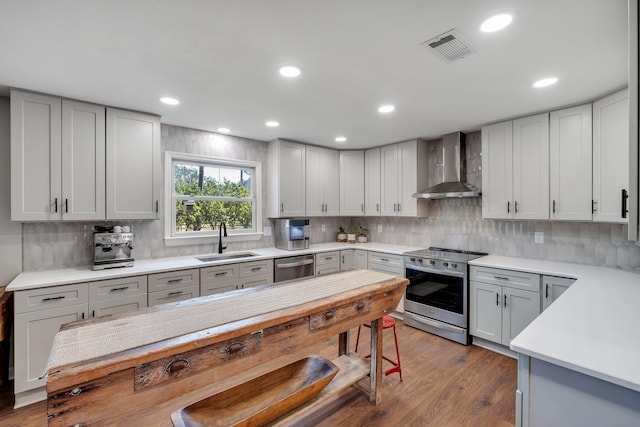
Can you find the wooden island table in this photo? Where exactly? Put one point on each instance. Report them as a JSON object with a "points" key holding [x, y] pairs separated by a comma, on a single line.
{"points": [[112, 369]]}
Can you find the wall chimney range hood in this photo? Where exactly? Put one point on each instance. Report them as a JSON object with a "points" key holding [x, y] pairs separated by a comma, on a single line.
{"points": [[453, 160]]}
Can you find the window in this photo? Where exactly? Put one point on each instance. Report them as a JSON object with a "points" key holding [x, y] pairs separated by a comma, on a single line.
{"points": [[204, 191]]}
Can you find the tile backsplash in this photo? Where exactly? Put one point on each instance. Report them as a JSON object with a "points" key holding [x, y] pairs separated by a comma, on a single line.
{"points": [[454, 223]]}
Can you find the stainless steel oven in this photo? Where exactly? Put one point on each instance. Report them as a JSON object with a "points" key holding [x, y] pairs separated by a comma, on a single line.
{"points": [[437, 297]]}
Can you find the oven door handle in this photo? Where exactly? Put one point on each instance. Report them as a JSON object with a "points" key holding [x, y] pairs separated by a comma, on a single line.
{"points": [[433, 271], [435, 323], [294, 264]]}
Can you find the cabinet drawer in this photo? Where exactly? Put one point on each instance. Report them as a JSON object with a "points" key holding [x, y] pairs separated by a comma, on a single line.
{"points": [[173, 295], [251, 282], [509, 278], [52, 297], [117, 288], [326, 269], [190, 362], [217, 287], [257, 268], [337, 314], [174, 279], [209, 275], [117, 305], [328, 258], [381, 258]]}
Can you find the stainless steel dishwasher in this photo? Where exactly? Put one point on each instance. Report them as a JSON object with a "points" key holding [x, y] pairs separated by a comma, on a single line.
{"points": [[293, 267]]}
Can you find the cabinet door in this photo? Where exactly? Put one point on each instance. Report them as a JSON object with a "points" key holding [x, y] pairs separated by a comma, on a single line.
{"points": [[313, 190], [352, 183], [133, 165], [347, 259], [291, 179], [519, 308], [497, 170], [389, 176], [570, 163], [360, 259], [372, 182], [531, 167], [485, 311], [552, 288], [331, 182], [610, 154], [173, 295], [408, 178], [117, 305], [36, 330], [83, 161], [36, 179]]}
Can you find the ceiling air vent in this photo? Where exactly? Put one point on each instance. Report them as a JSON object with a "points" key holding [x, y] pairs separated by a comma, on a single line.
{"points": [[450, 46]]}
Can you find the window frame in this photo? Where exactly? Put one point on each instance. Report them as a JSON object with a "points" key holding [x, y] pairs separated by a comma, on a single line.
{"points": [[171, 238]]}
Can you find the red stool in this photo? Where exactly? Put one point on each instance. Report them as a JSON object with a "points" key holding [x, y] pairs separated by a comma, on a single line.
{"points": [[387, 322]]}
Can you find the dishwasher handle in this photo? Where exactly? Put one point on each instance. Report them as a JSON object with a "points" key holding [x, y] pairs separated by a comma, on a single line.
{"points": [[294, 264]]}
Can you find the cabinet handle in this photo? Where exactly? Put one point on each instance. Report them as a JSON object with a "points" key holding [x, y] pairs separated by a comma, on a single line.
{"points": [[505, 300], [508, 206], [328, 315], [93, 313], [55, 205], [66, 205], [157, 206], [256, 269], [497, 299], [82, 315], [53, 298], [281, 207], [343, 259], [177, 365], [554, 206], [361, 207], [384, 259], [625, 196], [234, 348], [394, 207], [399, 207], [359, 305], [501, 278], [174, 280], [222, 273], [123, 288], [377, 207], [546, 290], [515, 207], [594, 205], [171, 294]]}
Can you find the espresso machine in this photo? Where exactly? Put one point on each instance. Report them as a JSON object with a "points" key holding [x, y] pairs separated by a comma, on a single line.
{"points": [[113, 247]]}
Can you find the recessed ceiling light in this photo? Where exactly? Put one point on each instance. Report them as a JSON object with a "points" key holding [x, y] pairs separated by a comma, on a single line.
{"points": [[169, 101], [340, 139], [496, 23], [224, 130], [386, 109], [545, 82], [289, 71], [272, 124]]}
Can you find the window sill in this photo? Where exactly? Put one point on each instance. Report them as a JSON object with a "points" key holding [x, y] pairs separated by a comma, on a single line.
{"points": [[210, 239]]}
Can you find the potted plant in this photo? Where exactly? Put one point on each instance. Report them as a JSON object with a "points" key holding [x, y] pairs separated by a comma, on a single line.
{"points": [[342, 235], [362, 235], [351, 237]]}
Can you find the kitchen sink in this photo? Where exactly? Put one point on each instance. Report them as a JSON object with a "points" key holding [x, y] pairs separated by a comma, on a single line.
{"points": [[222, 257]]}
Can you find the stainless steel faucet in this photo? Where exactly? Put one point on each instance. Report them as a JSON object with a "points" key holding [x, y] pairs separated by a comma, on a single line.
{"points": [[220, 247]]}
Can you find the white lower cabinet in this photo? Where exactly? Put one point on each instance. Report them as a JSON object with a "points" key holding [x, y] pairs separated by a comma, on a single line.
{"points": [[360, 259], [327, 263], [230, 277], [502, 303], [173, 286], [552, 288], [347, 259], [390, 264]]}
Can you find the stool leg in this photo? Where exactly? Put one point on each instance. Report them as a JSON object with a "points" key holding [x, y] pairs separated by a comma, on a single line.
{"points": [[357, 339], [395, 338]]}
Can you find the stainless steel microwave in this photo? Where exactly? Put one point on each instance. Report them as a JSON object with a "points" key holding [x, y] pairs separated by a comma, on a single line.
{"points": [[292, 234]]}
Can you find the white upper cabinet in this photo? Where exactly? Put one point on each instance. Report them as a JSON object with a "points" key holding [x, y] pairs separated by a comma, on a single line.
{"points": [[515, 169], [286, 171], [58, 159], [401, 177], [352, 187], [570, 164], [322, 182], [610, 154], [133, 164], [372, 183]]}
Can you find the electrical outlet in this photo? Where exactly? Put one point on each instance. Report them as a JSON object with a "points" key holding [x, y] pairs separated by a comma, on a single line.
{"points": [[379, 228], [538, 237], [266, 231], [324, 228]]}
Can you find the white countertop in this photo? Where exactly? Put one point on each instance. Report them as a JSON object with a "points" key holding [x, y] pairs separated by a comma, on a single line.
{"points": [[592, 328], [66, 276]]}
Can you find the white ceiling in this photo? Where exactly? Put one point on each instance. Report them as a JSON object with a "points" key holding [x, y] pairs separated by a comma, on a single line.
{"points": [[221, 59]]}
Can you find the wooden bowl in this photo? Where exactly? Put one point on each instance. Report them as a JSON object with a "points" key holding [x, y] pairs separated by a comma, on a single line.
{"points": [[260, 400]]}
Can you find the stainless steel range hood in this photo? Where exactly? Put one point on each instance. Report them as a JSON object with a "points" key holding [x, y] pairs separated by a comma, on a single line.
{"points": [[452, 158]]}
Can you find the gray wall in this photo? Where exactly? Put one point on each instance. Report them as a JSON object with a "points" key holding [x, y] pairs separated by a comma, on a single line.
{"points": [[451, 223], [10, 232]]}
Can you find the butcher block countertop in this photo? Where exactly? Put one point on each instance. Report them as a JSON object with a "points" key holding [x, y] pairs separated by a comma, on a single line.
{"points": [[592, 328]]}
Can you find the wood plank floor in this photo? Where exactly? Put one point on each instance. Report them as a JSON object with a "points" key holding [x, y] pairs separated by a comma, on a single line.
{"points": [[445, 384]]}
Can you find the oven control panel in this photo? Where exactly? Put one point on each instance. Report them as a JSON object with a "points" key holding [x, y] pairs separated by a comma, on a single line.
{"points": [[434, 264]]}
